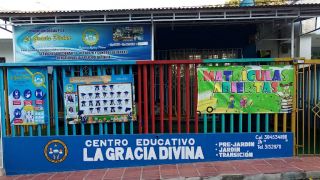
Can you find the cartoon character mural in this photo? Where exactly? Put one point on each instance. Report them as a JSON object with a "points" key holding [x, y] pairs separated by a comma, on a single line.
{"points": [[29, 111], [231, 102], [286, 97], [243, 102]]}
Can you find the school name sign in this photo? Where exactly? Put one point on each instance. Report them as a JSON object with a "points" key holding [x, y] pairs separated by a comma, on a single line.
{"points": [[66, 153], [143, 149], [245, 89]]}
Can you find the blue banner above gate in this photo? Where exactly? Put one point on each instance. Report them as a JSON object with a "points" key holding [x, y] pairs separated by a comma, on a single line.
{"points": [[65, 153], [91, 42]]}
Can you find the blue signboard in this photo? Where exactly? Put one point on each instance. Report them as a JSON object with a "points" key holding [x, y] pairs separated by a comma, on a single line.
{"points": [[90, 42], [65, 153], [28, 95]]}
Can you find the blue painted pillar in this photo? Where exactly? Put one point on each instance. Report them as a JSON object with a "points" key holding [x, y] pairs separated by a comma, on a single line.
{"points": [[2, 104]]}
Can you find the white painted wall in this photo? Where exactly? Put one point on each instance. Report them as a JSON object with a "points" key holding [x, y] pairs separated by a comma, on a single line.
{"points": [[305, 46], [6, 49]]}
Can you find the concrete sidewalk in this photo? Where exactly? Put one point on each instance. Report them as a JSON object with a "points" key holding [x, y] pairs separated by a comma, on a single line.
{"points": [[284, 168]]}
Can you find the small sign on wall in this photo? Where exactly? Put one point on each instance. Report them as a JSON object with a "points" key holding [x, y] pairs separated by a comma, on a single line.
{"points": [[28, 95]]}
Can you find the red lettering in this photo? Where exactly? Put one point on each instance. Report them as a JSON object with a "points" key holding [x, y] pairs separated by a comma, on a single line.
{"points": [[208, 76], [274, 86]]}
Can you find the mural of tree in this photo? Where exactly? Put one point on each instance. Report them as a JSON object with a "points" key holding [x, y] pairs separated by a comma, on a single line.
{"points": [[270, 2], [233, 2]]}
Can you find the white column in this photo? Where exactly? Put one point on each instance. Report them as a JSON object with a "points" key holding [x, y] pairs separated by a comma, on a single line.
{"points": [[305, 46], [152, 41], [292, 39]]}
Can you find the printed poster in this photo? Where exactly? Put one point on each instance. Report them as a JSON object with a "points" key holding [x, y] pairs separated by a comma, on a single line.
{"points": [[28, 95], [245, 89], [82, 42], [99, 99]]}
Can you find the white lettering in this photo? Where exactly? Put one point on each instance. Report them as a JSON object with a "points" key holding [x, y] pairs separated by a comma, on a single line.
{"points": [[85, 155], [163, 153], [110, 154], [98, 155], [140, 151], [129, 154]]}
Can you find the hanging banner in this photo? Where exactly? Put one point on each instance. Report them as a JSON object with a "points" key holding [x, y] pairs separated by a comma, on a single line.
{"points": [[28, 95], [99, 99], [89, 42], [245, 89], [65, 153]]}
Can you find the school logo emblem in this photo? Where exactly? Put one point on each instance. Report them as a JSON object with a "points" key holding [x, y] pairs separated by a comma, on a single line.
{"points": [[56, 151], [38, 79], [90, 37], [69, 88]]}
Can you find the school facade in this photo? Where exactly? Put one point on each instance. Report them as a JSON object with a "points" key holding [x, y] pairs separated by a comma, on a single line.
{"points": [[117, 88]]}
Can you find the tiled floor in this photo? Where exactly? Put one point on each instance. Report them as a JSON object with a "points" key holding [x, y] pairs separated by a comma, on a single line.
{"points": [[245, 167]]}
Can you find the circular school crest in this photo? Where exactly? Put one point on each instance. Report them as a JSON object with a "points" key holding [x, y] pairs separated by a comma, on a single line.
{"points": [[90, 37], [56, 151], [38, 79]]}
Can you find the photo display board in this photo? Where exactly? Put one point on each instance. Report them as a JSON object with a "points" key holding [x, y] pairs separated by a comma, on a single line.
{"points": [[245, 89], [105, 99], [28, 95], [99, 99]]}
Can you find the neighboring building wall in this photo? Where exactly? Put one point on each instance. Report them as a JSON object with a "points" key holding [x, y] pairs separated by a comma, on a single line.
{"points": [[268, 39], [6, 49]]}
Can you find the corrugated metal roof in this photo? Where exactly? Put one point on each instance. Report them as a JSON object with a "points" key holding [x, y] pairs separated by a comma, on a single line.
{"points": [[206, 7]]}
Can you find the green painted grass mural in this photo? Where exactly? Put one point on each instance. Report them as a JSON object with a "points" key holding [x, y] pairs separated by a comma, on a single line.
{"points": [[245, 89]]}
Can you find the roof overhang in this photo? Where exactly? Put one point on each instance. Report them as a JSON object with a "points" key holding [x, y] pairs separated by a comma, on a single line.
{"points": [[221, 14]]}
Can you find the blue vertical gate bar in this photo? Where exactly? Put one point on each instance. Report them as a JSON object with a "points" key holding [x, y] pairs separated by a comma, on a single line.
{"points": [[240, 123], [48, 125], [74, 130], [266, 123], [258, 123], [91, 125], [100, 124], [49, 116], [214, 123], [21, 131], [223, 123], [55, 101], [2, 101], [231, 123], [30, 131], [64, 111], [13, 131], [131, 121], [122, 123], [39, 128], [82, 125], [114, 123], [205, 123], [249, 122], [105, 124]]}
